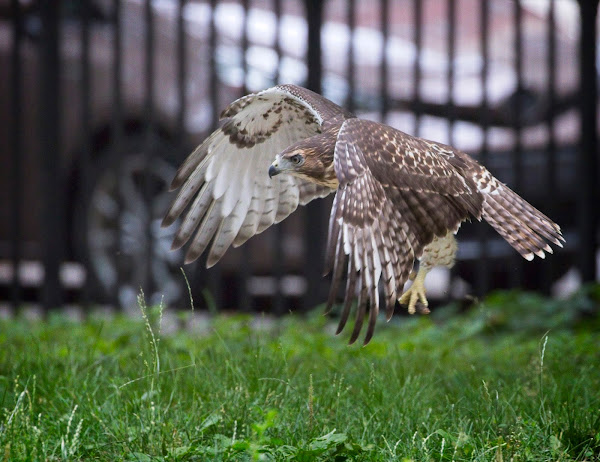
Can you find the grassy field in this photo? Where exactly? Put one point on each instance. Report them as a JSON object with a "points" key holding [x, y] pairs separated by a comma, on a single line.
{"points": [[515, 378]]}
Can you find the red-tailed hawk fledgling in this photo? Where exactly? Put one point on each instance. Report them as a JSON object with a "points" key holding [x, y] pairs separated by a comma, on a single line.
{"points": [[398, 198]]}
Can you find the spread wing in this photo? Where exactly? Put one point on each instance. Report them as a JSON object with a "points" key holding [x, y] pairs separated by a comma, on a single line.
{"points": [[523, 226], [225, 183], [396, 193]]}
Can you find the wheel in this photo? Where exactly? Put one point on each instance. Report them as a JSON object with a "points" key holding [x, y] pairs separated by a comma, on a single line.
{"points": [[117, 226]]}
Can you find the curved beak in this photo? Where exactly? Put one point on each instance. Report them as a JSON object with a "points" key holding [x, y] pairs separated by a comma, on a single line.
{"points": [[273, 170]]}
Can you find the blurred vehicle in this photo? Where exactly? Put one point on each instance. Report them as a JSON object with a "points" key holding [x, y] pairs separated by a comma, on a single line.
{"points": [[108, 219]]}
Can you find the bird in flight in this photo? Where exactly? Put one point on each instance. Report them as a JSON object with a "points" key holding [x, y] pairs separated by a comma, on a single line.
{"points": [[398, 198]]}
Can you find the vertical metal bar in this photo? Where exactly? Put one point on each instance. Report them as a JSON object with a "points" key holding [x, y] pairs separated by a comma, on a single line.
{"points": [[244, 44], [418, 42], [278, 305], [149, 67], [450, 73], [181, 71], [315, 227], [180, 50], [351, 19], [277, 10], [587, 208], [181, 58], [482, 277], [518, 124], [516, 264], [451, 51], [213, 80], [86, 153], [116, 140], [384, 19], [181, 53], [245, 270], [16, 178], [149, 132], [314, 18], [213, 281], [551, 171], [53, 214]]}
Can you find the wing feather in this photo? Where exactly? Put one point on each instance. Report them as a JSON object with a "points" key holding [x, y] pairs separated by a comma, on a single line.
{"points": [[208, 226], [288, 198], [523, 226], [250, 224], [387, 269], [388, 207], [338, 268], [226, 234], [224, 182], [255, 210], [350, 289], [269, 208], [194, 160], [185, 195], [396, 194], [197, 211], [361, 308]]}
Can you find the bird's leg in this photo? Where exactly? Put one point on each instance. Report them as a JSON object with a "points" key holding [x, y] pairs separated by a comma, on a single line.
{"points": [[416, 292], [439, 252]]}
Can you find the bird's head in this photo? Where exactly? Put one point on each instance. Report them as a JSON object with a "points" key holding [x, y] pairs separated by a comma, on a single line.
{"points": [[308, 160], [292, 162]]}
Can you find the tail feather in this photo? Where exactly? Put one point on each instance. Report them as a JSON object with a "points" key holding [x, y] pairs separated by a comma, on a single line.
{"points": [[524, 227], [535, 219]]}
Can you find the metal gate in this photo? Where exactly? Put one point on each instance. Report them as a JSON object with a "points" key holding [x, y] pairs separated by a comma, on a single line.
{"points": [[100, 100]]}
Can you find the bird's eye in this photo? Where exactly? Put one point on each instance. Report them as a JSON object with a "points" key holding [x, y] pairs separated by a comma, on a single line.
{"points": [[296, 158]]}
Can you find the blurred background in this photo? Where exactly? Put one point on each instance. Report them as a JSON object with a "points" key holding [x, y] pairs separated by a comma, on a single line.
{"points": [[100, 100]]}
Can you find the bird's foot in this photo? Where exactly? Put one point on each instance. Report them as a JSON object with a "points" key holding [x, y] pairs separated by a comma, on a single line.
{"points": [[416, 293]]}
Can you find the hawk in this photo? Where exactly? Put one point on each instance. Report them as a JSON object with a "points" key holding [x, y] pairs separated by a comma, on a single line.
{"points": [[398, 198]]}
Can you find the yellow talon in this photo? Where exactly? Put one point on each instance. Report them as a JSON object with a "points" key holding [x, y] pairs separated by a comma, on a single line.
{"points": [[416, 292]]}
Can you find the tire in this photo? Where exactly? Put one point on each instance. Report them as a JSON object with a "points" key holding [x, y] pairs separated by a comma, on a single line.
{"points": [[116, 225]]}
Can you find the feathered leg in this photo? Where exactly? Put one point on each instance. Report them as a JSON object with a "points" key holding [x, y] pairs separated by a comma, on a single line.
{"points": [[440, 252]]}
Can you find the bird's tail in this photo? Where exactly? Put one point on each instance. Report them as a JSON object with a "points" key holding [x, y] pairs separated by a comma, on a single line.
{"points": [[522, 225]]}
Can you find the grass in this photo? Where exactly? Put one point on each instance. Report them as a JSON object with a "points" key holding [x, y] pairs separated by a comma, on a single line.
{"points": [[515, 378]]}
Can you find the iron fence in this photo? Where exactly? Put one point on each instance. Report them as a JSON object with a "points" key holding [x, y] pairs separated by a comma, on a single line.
{"points": [[100, 100]]}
